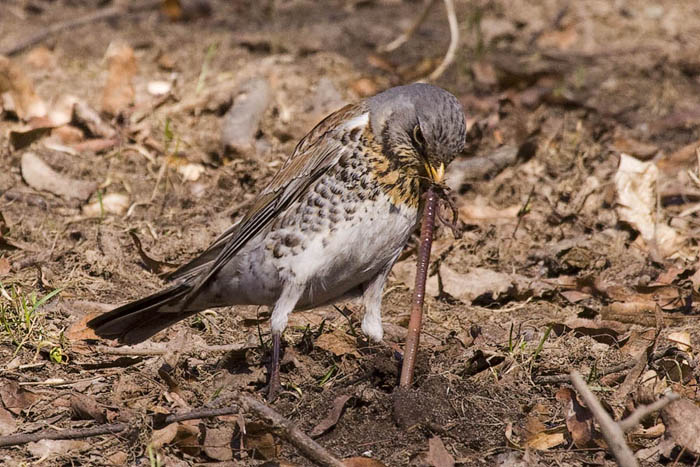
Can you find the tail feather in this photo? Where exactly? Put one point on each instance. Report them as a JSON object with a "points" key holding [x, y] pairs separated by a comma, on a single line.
{"points": [[136, 321]]}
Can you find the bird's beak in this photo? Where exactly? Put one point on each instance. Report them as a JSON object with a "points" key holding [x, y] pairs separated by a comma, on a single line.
{"points": [[436, 174]]}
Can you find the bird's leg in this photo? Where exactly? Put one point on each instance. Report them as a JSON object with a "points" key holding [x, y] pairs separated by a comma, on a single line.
{"points": [[372, 302], [274, 386], [278, 321]]}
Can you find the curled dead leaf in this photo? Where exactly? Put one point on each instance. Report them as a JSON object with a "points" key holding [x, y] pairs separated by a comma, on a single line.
{"points": [[40, 176], [118, 92], [27, 104], [111, 203]]}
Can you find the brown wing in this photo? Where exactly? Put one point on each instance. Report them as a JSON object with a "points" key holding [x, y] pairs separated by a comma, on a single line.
{"points": [[314, 154]]}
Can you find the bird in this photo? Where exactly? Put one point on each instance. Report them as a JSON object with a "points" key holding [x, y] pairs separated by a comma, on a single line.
{"points": [[327, 228]]}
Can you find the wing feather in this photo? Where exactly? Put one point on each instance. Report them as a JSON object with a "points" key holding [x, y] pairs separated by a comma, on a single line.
{"points": [[313, 156]]}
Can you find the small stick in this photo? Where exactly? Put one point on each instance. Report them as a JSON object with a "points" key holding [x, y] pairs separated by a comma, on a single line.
{"points": [[405, 36], [643, 410], [103, 15], [414, 325], [24, 438], [454, 41], [112, 428], [136, 352], [289, 431]]}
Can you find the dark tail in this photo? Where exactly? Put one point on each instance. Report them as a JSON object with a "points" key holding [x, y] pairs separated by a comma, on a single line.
{"points": [[137, 321]]}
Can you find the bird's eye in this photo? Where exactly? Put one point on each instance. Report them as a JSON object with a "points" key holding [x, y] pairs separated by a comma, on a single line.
{"points": [[418, 136]]}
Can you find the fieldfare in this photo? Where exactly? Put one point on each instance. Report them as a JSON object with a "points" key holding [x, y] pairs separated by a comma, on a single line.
{"points": [[328, 227]]}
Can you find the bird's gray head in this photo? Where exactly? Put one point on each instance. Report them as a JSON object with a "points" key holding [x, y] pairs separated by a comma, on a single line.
{"points": [[420, 125]]}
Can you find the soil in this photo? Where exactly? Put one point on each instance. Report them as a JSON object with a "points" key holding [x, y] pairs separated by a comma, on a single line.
{"points": [[554, 93]]}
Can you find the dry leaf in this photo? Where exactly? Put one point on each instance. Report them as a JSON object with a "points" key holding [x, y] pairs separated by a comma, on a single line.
{"points": [[217, 443], [4, 266], [636, 184], [579, 419], [166, 435], [50, 447], [438, 456], [681, 340], [118, 93], [21, 138], [544, 441], [15, 398], [112, 203], [85, 407], [190, 172], [8, 424], [262, 444], [476, 283], [332, 417], [405, 272], [27, 104], [241, 122], [159, 88], [95, 145], [40, 57], [682, 420], [41, 177], [338, 343], [85, 116]]}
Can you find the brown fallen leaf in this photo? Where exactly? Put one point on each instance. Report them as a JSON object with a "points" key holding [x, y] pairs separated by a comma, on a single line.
{"points": [[40, 176], [111, 203], [642, 151], [95, 145], [15, 398], [165, 435], [262, 444], [67, 134], [8, 424], [20, 139], [41, 57], [241, 122], [475, 283], [85, 116], [4, 266], [438, 456], [118, 92], [85, 407], [636, 184], [217, 443], [332, 417], [579, 419], [182, 435], [682, 420], [27, 104], [52, 447], [338, 343]]}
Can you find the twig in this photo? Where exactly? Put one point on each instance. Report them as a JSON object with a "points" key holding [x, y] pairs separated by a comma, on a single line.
{"points": [[454, 41], [613, 434], [414, 325], [106, 14], [195, 414], [136, 352], [112, 428], [626, 365], [405, 36], [24, 438], [289, 431], [643, 410]]}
